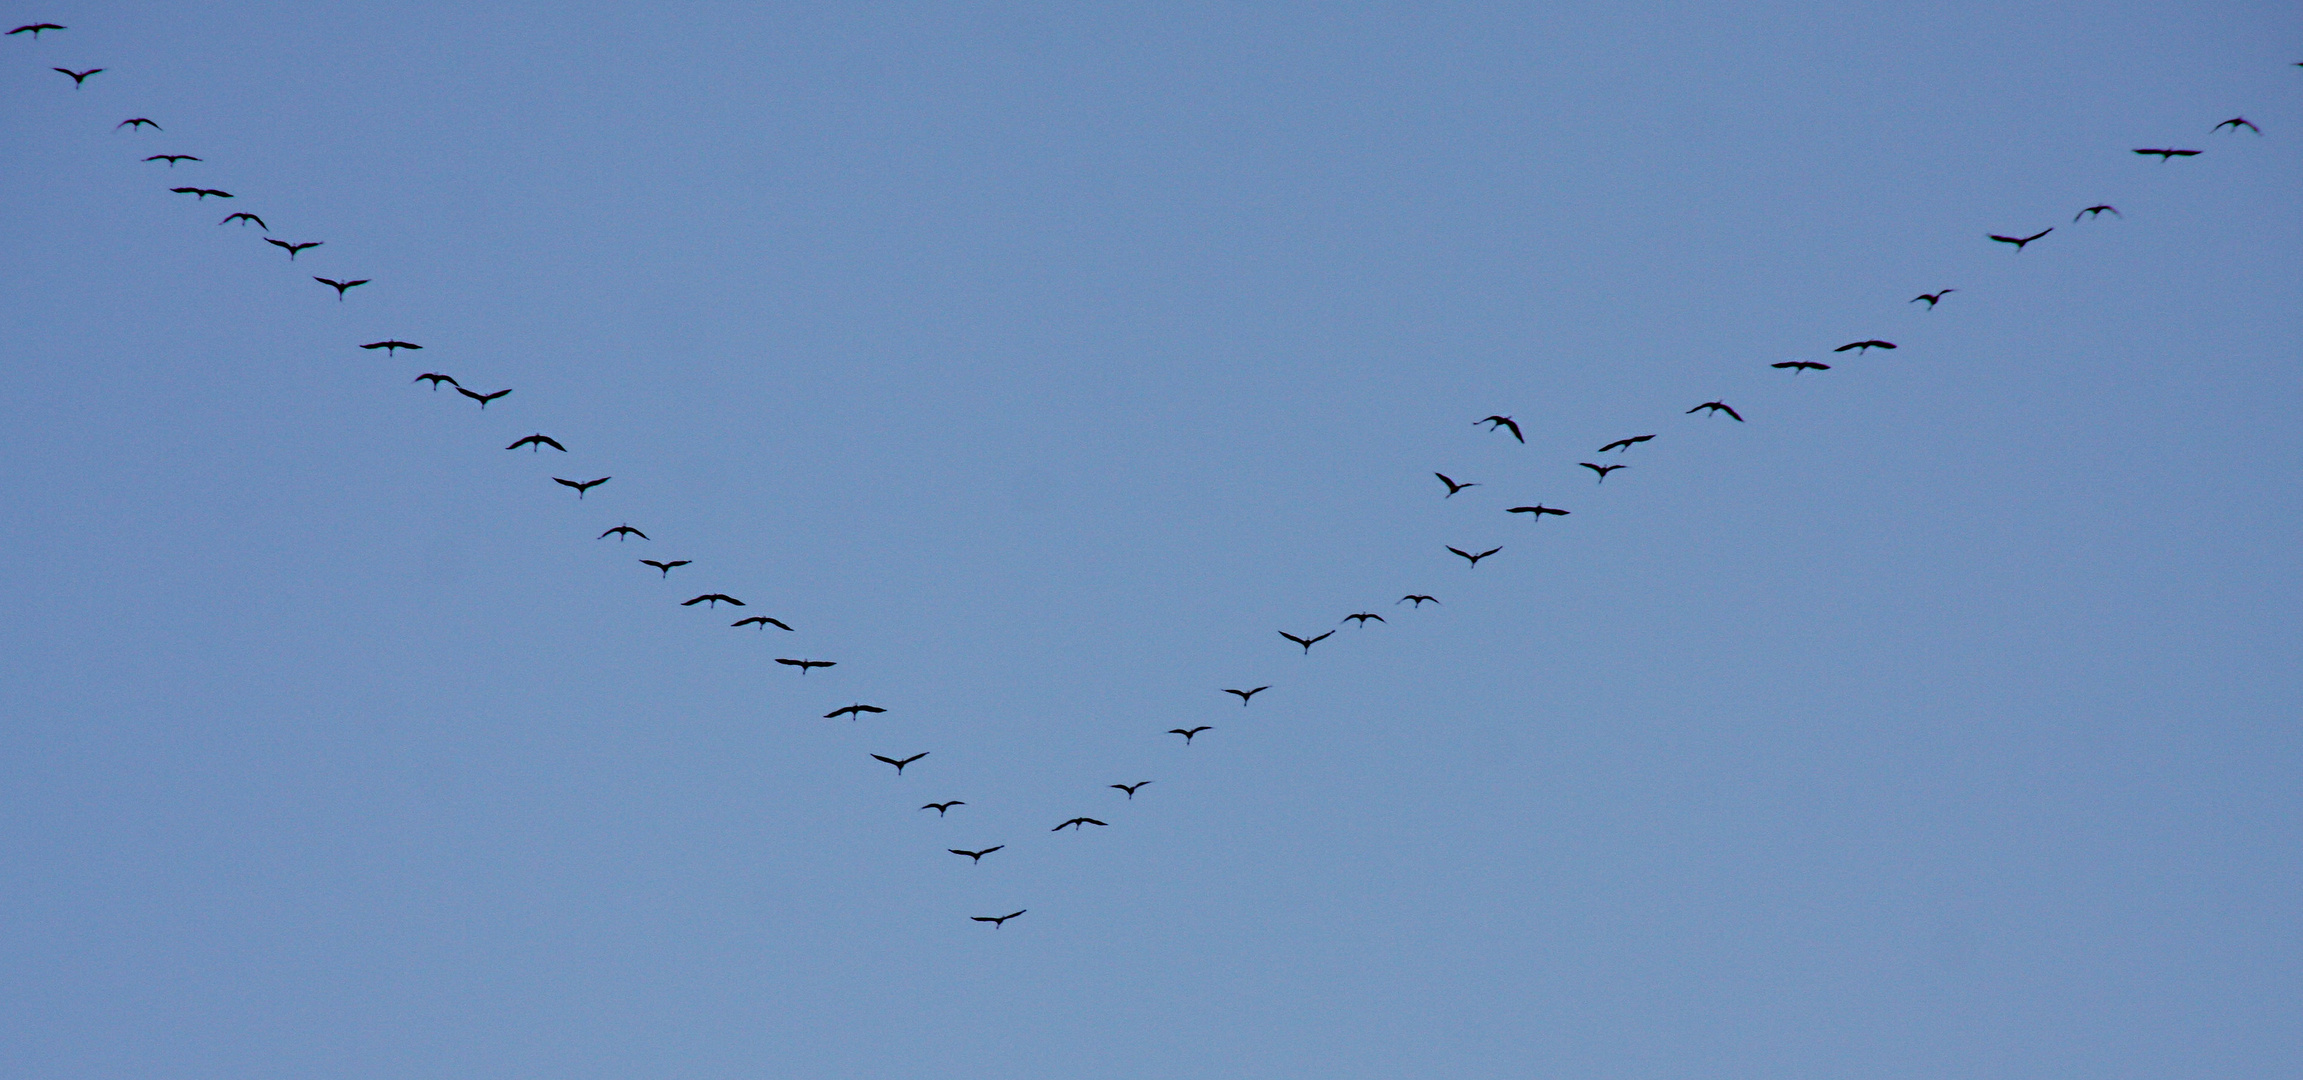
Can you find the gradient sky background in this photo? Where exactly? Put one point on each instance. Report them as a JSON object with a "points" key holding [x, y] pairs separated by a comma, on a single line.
{"points": [[1037, 363]]}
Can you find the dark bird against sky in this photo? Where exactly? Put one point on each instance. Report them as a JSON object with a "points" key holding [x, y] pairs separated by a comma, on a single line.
{"points": [[974, 856], [1602, 470], [1496, 422], [244, 218], [1417, 597], [1798, 366], [341, 286], [483, 399], [853, 711], [292, 249], [666, 567], [899, 764], [1936, 297], [34, 29], [2098, 210], [142, 122], [620, 532], [1452, 486], [1362, 617], [2163, 154], [1625, 444], [437, 379], [1307, 643], [2237, 122], [942, 808], [78, 77], [998, 921], [1865, 346], [804, 665], [1538, 510], [2019, 241], [1471, 558], [1131, 788], [202, 192], [763, 622], [1246, 695], [1718, 407], [1075, 823], [171, 159], [712, 599], [538, 441], [1187, 733], [393, 346], [581, 486]]}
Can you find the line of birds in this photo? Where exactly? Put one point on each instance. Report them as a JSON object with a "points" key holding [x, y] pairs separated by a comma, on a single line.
{"points": [[1495, 423]]}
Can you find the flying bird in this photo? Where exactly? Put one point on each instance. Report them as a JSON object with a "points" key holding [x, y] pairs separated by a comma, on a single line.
{"points": [[340, 286], [1602, 470], [852, 711], [941, 808], [2237, 122], [1798, 366], [804, 665], [998, 921], [78, 77], [437, 379], [2097, 210], [1471, 558], [1625, 444], [393, 347], [666, 567], [763, 622], [1187, 733], [620, 532], [34, 29], [1363, 617], [712, 600], [1718, 407], [172, 159], [975, 856], [483, 399], [1865, 346], [2163, 154], [537, 441], [1307, 643], [1934, 298], [1131, 788], [292, 249], [1418, 598], [2020, 241], [202, 192], [1246, 695], [900, 764], [1495, 422], [141, 122], [1075, 823], [581, 486], [1452, 486], [1538, 510], [244, 219]]}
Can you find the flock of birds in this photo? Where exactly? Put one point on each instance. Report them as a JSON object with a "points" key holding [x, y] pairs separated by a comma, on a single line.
{"points": [[1495, 424]]}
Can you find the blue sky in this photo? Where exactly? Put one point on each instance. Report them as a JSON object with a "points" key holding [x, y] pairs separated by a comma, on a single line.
{"points": [[1038, 363]]}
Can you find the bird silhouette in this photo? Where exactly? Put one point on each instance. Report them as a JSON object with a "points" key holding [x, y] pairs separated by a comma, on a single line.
{"points": [[292, 249], [763, 622], [202, 192], [34, 29], [712, 600], [942, 808], [2163, 154], [244, 219], [1307, 643], [537, 441], [1865, 346], [2237, 122], [1363, 617], [78, 77], [620, 532], [1602, 470], [341, 286], [581, 486], [975, 856], [1934, 298], [1187, 733], [2098, 210], [141, 122], [172, 159], [1452, 486], [1495, 422], [1471, 558], [1798, 366], [483, 399], [1538, 510], [1625, 444], [1417, 597], [1131, 788], [666, 567], [851, 711], [1075, 823], [1718, 407], [437, 379], [393, 347], [998, 921], [1246, 695], [899, 764], [804, 665], [2019, 241]]}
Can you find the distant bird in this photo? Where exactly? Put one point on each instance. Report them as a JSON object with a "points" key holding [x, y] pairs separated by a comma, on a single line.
{"points": [[1494, 422], [172, 159], [899, 764], [852, 711], [34, 29], [1246, 695], [941, 808], [620, 532], [537, 441], [1418, 598], [1131, 788], [1718, 407], [244, 219], [804, 665], [1187, 733], [712, 599], [483, 399], [1798, 366], [1538, 510], [998, 921], [341, 286], [2237, 122], [1625, 444], [666, 567], [975, 856], [1471, 558], [2020, 241], [1363, 617], [78, 77], [202, 192], [1307, 643], [1452, 486], [581, 486], [1075, 823], [141, 122], [1865, 346], [292, 249], [393, 347], [1934, 298], [1602, 470], [763, 622], [2163, 154], [2098, 210], [437, 379]]}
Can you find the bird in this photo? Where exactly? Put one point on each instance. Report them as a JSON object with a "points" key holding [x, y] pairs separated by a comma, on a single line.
{"points": [[712, 600], [1473, 559], [1538, 510], [202, 192], [172, 159], [1625, 444], [2097, 210], [804, 665], [900, 764], [292, 249], [666, 567], [941, 808], [1934, 298], [581, 486], [1307, 643], [1246, 695], [244, 219], [437, 379], [1495, 422], [2237, 122], [1602, 470], [340, 286], [537, 441], [852, 711], [393, 347], [78, 77], [1865, 346], [975, 856], [1363, 617], [1718, 407], [1417, 597], [483, 399], [34, 29], [2020, 241], [620, 532], [1131, 788], [141, 122], [1187, 733], [2163, 154], [1798, 366], [998, 921], [1075, 823], [763, 622], [1452, 486]]}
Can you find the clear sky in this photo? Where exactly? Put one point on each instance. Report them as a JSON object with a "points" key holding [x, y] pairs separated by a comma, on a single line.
{"points": [[1037, 363]]}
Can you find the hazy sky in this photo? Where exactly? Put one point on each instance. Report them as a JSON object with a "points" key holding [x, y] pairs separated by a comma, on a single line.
{"points": [[1038, 362]]}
